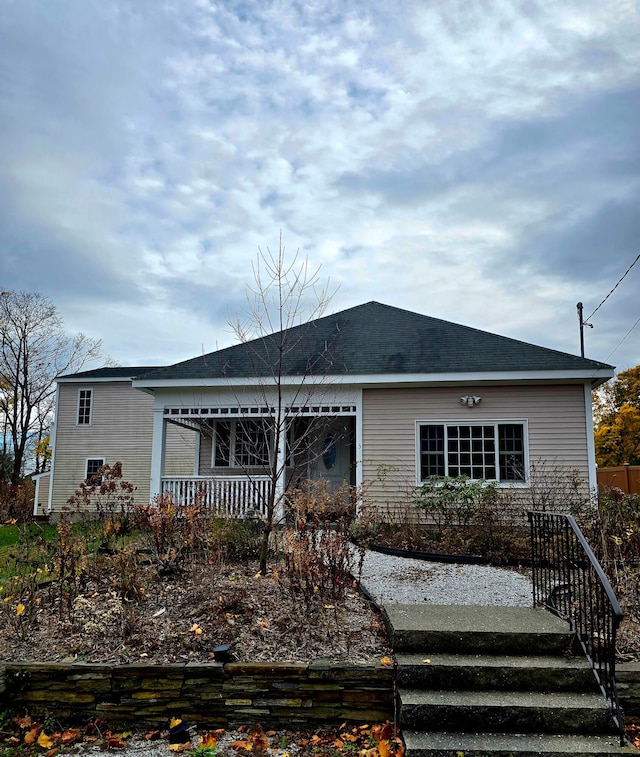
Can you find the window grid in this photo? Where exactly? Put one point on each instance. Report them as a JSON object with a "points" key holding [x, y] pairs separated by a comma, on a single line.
{"points": [[471, 451], [84, 407], [492, 451], [243, 444], [93, 466]]}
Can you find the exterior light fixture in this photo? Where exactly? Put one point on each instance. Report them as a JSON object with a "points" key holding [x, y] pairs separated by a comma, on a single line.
{"points": [[470, 401]]}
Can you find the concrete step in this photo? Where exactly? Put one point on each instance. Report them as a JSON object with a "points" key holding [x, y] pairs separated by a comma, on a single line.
{"points": [[451, 744], [512, 672], [470, 629], [508, 711]]}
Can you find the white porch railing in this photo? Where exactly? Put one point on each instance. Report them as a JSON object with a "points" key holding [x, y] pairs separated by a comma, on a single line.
{"points": [[229, 496]]}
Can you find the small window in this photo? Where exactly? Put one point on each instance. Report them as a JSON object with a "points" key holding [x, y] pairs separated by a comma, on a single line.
{"points": [[93, 466], [84, 407]]}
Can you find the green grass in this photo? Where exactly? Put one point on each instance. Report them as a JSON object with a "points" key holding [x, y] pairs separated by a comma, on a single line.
{"points": [[19, 547], [11, 534]]}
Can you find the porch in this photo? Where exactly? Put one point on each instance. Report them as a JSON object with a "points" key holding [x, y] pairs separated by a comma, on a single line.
{"points": [[227, 496], [241, 452]]}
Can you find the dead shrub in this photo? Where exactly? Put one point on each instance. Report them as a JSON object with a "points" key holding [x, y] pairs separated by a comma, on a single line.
{"points": [[16, 502], [318, 559]]}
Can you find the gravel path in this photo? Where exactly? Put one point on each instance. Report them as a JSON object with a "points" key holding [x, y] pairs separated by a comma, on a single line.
{"points": [[402, 580]]}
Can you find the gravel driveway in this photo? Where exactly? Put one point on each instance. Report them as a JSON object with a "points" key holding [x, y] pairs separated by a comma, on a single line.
{"points": [[402, 580]]}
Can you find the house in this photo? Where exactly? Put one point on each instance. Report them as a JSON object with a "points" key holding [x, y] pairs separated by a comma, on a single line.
{"points": [[371, 394]]}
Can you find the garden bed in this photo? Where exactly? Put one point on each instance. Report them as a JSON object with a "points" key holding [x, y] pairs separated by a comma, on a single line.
{"points": [[183, 616]]}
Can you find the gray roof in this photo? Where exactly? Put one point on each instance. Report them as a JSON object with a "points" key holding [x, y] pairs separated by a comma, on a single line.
{"points": [[375, 339], [110, 372]]}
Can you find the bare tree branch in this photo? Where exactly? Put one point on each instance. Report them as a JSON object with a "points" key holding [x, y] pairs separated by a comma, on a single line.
{"points": [[34, 350]]}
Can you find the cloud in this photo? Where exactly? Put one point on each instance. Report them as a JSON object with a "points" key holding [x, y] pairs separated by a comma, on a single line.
{"points": [[478, 163]]}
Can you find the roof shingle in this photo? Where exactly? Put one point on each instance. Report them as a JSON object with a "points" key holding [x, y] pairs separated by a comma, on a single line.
{"points": [[375, 339]]}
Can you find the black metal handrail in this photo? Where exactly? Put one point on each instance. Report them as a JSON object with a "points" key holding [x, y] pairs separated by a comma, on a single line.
{"points": [[569, 581]]}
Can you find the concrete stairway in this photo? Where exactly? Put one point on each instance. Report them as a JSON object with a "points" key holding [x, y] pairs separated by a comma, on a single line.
{"points": [[494, 682]]}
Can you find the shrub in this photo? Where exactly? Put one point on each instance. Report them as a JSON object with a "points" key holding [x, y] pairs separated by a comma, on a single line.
{"points": [[234, 538], [111, 498], [319, 561], [452, 501], [16, 502]]}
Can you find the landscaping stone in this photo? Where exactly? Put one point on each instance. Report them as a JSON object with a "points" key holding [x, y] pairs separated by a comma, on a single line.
{"points": [[213, 695]]}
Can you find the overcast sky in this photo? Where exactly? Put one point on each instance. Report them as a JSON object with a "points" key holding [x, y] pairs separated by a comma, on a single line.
{"points": [[477, 161]]}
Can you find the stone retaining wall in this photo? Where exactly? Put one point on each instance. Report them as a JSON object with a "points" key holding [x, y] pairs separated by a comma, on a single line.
{"points": [[212, 695], [628, 681]]}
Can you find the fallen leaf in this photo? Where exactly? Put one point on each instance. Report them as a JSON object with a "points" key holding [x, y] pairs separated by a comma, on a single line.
{"points": [[32, 735], [263, 624], [259, 739], [70, 735], [20, 609], [152, 735], [241, 744], [115, 743], [180, 747], [208, 741], [427, 661], [196, 629], [45, 741], [384, 748], [382, 731], [386, 661]]}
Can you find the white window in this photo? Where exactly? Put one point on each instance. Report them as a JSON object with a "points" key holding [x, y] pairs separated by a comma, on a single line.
{"points": [[496, 451], [242, 443], [92, 470], [85, 397]]}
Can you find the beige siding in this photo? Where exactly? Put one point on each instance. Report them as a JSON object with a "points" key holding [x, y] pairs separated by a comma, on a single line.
{"points": [[556, 430], [121, 430]]}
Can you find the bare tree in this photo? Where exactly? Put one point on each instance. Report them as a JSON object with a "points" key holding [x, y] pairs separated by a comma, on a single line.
{"points": [[34, 350], [286, 294]]}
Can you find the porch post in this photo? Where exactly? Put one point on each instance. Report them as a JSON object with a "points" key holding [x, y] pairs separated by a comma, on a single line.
{"points": [[358, 446], [282, 468], [158, 444]]}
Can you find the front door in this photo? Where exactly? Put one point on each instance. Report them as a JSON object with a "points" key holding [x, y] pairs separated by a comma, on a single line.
{"points": [[330, 452]]}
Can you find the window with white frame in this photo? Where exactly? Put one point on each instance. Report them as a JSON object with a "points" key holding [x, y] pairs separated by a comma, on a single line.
{"points": [[92, 470], [85, 397], [491, 450], [242, 443]]}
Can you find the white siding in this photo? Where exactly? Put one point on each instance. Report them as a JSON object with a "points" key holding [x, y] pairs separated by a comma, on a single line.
{"points": [[555, 415], [120, 431]]}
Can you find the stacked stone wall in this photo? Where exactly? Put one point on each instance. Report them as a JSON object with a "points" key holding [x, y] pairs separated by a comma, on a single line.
{"points": [[212, 695]]}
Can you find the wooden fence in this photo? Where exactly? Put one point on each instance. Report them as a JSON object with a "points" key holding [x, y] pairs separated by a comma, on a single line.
{"points": [[625, 477]]}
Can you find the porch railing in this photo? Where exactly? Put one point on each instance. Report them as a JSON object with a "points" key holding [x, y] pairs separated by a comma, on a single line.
{"points": [[569, 581], [229, 496]]}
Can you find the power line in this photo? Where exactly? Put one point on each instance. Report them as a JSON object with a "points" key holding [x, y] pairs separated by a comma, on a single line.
{"points": [[612, 291], [622, 340]]}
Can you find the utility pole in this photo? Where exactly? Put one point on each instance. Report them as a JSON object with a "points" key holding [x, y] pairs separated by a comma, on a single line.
{"points": [[583, 323]]}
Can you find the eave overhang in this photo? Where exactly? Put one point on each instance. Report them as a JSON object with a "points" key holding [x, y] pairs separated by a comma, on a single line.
{"points": [[594, 378]]}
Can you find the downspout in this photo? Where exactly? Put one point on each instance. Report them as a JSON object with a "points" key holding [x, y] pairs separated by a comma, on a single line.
{"points": [[591, 447], [358, 446]]}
